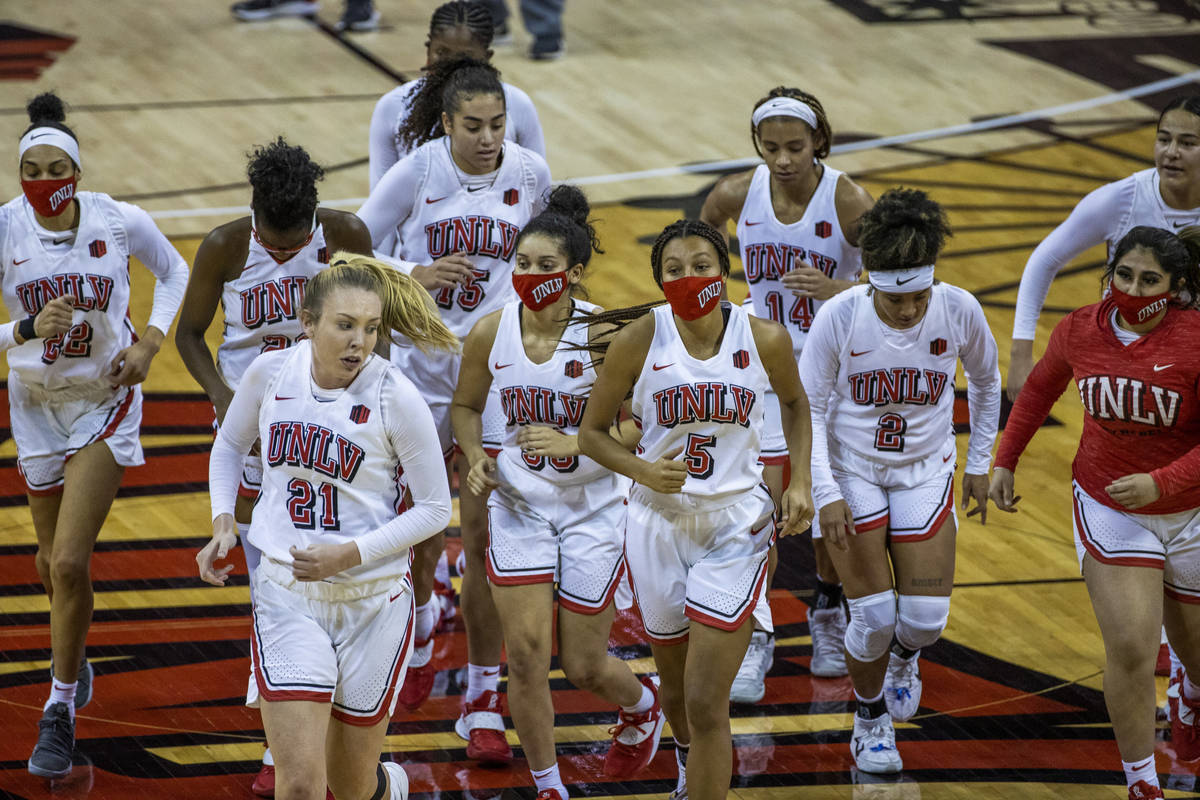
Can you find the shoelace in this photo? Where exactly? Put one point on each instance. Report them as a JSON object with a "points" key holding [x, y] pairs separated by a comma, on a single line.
{"points": [[879, 729], [59, 726], [626, 722]]}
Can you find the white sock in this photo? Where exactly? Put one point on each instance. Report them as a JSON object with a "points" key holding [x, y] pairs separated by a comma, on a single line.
{"points": [[868, 700], [268, 759], [1190, 690], [644, 703], [1140, 771], [1176, 664], [62, 693], [441, 573], [681, 754], [480, 680], [548, 779], [426, 619]]}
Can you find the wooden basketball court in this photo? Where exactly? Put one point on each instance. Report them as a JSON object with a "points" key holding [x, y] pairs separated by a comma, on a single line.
{"points": [[167, 99]]}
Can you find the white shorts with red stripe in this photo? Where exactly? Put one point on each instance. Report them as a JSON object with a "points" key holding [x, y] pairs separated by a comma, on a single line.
{"points": [[772, 443], [347, 644], [541, 532], [49, 427], [911, 501], [1170, 542], [708, 567]]}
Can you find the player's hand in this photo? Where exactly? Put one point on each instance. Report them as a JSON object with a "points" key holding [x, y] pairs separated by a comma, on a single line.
{"points": [[224, 538], [55, 318], [482, 477], [837, 524], [1001, 490], [1020, 364], [1134, 491], [809, 282], [665, 475], [542, 440], [443, 273], [796, 508], [320, 561], [975, 487], [132, 365]]}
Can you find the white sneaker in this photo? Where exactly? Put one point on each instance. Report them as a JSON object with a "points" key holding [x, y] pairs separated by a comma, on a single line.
{"points": [[748, 685], [398, 778], [874, 745], [902, 687], [828, 629]]}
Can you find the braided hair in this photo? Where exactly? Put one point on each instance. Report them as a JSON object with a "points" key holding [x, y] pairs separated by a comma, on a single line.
{"points": [[443, 89], [473, 16], [823, 133], [283, 183], [1177, 253], [905, 228]]}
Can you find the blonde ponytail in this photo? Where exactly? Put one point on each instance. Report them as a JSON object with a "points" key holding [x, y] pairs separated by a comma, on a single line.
{"points": [[407, 307]]}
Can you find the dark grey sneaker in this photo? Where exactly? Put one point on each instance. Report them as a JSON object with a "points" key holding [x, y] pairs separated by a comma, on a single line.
{"points": [[83, 688], [254, 10], [359, 20], [56, 740], [547, 49]]}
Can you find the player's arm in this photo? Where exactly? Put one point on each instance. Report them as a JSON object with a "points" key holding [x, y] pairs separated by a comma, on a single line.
{"points": [[980, 364], [725, 201], [851, 201], [775, 349], [219, 255], [524, 117], [381, 136], [470, 397], [345, 231]]}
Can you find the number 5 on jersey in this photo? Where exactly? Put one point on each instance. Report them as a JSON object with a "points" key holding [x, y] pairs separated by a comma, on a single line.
{"points": [[698, 455]]}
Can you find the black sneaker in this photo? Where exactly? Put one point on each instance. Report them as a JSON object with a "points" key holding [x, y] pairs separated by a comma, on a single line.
{"points": [[254, 10], [83, 683], [547, 49], [56, 740], [359, 20]]}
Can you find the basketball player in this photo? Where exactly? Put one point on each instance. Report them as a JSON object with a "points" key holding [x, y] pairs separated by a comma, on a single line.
{"points": [[342, 433], [75, 365], [460, 197], [1136, 486], [699, 521], [257, 268], [1166, 195], [553, 514], [878, 366], [797, 226]]}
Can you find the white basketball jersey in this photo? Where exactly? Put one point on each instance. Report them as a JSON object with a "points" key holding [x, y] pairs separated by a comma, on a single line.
{"points": [[262, 305], [95, 271], [894, 394], [770, 249], [554, 393], [448, 218], [330, 472], [1148, 208], [713, 409]]}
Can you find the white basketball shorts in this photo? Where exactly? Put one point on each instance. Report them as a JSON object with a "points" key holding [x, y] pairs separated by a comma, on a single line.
{"points": [[1170, 542], [436, 376], [48, 427], [708, 567], [338, 643]]}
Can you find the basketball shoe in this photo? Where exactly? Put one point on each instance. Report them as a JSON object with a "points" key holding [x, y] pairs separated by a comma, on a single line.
{"points": [[874, 745], [635, 737], [254, 10], [828, 629], [51, 756], [902, 687], [1144, 791], [749, 685], [1185, 728], [481, 724]]}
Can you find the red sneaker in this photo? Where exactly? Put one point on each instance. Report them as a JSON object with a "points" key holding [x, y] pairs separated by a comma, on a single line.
{"points": [[555, 794], [264, 781], [635, 737], [481, 724], [1144, 791], [418, 679], [1185, 729], [447, 609], [1162, 666]]}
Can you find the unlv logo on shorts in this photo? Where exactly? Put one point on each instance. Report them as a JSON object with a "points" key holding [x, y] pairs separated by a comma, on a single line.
{"points": [[573, 369], [359, 414], [824, 229], [98, 248], [937, 347], [741, 359], [511, 197]]}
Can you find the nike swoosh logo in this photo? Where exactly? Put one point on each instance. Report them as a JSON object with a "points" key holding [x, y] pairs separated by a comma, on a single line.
{"points": [[860, 353], [432, 200], [1181, 224], [906, 280], [750, 224], [277, 397], [393, 597], [947, 458], [39, 136], [471, 189], [19, 263], [1161, 367], [1140, 766], [657, 367], [498, 365]]}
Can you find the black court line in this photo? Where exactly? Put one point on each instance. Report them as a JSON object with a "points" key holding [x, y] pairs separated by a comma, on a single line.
{"points": [[1029, 582], [1008, 285], [1040, 126], [224, 187], [362, 53], [226, 102], [990, 160], [976, 187]]}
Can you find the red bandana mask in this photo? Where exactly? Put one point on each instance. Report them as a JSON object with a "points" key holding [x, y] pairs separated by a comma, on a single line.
{"points": [[1136, 310], [539, 290], [693, 297], [50, 197]]}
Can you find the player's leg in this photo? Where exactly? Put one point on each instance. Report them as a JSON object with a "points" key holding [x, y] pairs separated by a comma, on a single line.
{"points": [[297, 731], [1181, 614], [749, 685]]}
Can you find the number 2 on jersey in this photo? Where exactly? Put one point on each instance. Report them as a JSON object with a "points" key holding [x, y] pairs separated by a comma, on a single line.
{"points": [[801, 313], [302, 501], [889, 433], [75, 343]]}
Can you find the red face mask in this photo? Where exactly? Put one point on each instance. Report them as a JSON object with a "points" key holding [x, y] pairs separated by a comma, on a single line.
{"points": [[1136, 310], [539, 290], [693, 297], [50, 197]]}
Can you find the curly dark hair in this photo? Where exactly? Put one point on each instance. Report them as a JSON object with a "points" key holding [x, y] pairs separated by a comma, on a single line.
{"points": [[905, 228], [473, 16], [47, 110], [823, 133], [1177, 253], [283, 182], [444, 88]]}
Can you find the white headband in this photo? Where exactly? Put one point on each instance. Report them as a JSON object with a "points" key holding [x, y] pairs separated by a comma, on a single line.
{"points": [[51, 136], [902, 281], [784, 107]]}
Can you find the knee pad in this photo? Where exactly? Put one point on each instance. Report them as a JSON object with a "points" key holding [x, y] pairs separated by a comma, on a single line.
{"points": [[872, 622], [921, 620]]}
